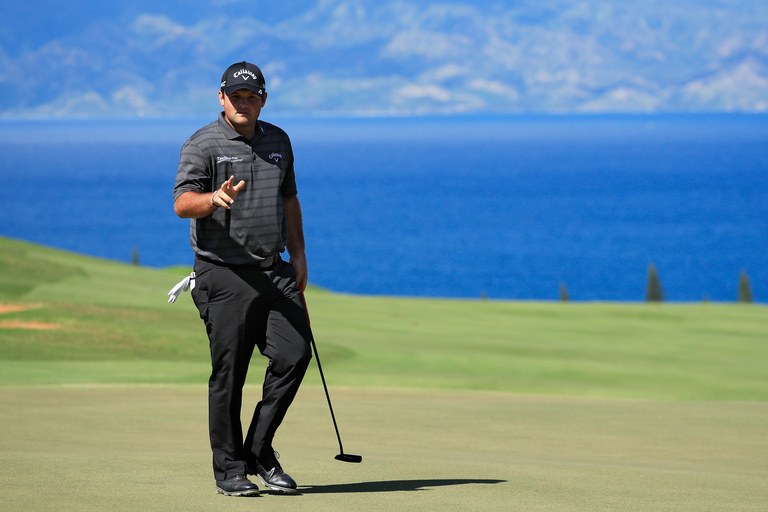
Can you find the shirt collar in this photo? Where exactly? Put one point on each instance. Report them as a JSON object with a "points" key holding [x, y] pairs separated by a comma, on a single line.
{"points": [[231, 134]]}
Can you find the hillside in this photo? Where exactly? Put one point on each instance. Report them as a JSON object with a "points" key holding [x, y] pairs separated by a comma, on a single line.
{"points": [[69, 318], [371, 57]]}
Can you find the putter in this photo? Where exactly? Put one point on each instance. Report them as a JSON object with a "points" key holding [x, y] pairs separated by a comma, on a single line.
{"points": [[343, 457]]}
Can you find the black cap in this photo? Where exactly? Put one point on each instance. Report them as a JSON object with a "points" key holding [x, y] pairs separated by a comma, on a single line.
{"points": [[243, 75]]}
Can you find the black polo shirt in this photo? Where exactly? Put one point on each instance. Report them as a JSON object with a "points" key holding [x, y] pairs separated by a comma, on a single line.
{"points": [[254, 228]]}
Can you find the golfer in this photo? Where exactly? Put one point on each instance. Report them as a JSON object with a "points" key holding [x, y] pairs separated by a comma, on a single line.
{"points": [[236, 183]]}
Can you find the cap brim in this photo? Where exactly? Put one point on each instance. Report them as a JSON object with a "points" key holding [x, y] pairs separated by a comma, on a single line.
{"points": [[232, 88]]}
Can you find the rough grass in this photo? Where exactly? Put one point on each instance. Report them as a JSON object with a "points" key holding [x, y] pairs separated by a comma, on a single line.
{"points": [[111, 315]]}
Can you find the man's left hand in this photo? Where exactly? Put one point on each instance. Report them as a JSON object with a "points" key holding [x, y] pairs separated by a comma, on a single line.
{"points": [[299, 263]]}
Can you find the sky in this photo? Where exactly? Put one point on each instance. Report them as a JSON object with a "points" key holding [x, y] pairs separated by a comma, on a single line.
{"points": [[149, 59]]}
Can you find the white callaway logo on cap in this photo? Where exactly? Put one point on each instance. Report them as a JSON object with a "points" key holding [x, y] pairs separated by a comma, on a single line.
{"points": [[245, 72]]}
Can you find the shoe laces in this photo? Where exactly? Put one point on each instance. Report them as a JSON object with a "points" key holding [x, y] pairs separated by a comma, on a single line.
{"points": [[270, 461]]}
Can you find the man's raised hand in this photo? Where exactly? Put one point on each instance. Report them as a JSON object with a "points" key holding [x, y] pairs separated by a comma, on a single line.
{"points": [[227, 193]]}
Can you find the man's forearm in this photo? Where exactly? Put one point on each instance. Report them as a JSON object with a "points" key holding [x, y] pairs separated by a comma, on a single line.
{"points": [[295, 225], [295, 243], [194, 205]]}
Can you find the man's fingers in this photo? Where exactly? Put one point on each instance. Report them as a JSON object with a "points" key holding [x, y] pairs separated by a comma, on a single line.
{"points": [[230, 186], [223, 199], [228, 191]]}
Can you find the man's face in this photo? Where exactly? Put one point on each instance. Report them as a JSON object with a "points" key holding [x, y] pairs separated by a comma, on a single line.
{"points": [[242, 109]]}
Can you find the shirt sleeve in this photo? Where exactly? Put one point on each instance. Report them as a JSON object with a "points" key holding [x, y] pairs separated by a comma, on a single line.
{"points": [[194, 174], [288, 187]]}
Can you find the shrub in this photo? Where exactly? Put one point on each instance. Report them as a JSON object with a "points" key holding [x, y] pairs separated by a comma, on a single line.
{"points": [[745, 289], [653, 292]]}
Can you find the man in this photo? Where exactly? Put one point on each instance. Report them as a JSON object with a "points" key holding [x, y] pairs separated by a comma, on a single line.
{"points": [[236, 183]]}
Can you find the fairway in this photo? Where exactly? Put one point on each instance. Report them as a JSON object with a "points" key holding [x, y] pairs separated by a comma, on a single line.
{"points": [[455, 405], [130, 448]]}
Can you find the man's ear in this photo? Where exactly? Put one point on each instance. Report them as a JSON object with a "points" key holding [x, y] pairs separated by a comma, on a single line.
{"points": [[221, 98], [264, 99]]}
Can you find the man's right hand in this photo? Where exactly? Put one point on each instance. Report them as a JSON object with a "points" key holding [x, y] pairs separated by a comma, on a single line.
{"points": [[227, 193]]}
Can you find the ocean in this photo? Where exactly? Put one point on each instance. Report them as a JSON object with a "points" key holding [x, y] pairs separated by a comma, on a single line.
{"points": [[517, 207]]}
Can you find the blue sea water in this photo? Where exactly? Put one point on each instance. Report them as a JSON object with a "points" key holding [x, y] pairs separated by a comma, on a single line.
{"points": [[504, 207]]}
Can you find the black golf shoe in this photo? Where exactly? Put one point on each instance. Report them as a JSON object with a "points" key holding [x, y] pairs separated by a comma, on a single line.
{"points": [[272, 475], [237, 486]]}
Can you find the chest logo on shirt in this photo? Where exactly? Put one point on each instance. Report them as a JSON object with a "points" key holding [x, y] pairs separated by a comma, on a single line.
{"points": [[220, 159], [276, 157]]}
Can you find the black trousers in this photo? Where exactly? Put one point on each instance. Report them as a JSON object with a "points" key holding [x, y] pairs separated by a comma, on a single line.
{"points": [[245, 307]]}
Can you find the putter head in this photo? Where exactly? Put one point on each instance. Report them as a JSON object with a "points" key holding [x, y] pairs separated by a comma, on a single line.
{"points": [[346, 457]]}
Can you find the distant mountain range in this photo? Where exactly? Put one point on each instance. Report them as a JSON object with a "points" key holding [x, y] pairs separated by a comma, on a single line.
{"points": [[143, 58]]}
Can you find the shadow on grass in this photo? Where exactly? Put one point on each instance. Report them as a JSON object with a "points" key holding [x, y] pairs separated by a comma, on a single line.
{"points": [[390, 486]]}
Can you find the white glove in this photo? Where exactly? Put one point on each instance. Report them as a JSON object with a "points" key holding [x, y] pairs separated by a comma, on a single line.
{"points": [[188, 283]]}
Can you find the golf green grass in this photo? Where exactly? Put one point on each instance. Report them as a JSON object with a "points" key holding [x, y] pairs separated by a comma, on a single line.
{"points": [[454, 404], [131, 448]]}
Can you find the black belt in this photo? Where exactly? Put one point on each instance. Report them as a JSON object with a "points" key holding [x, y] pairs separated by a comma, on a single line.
{"points": [[266, 263], [269, 262]]}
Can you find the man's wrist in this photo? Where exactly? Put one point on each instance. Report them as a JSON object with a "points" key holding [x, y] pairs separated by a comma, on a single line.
{"points": [[213, 196]]}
